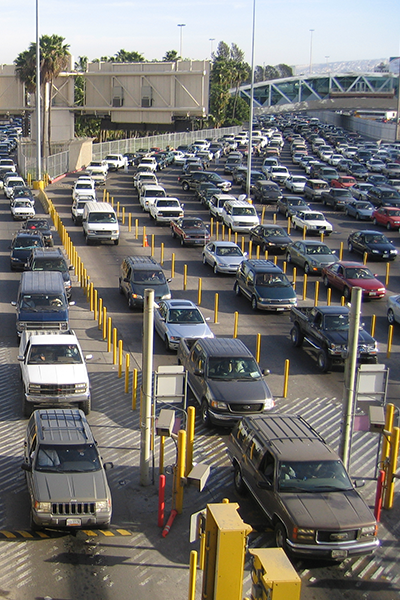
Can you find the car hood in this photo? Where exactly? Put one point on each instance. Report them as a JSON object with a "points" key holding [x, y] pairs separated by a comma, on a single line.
{"points": [[236, 391], [189, 330], [328, 510], [366, 284], [57, 374], [230, 260], [321, 259], [67, 487], [341, 337], [281, 240], [384, 247], [276, 293]]}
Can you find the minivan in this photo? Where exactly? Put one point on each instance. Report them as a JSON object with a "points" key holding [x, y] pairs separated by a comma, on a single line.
{"points": [[314, 187], [138, 273], [100, 223]]}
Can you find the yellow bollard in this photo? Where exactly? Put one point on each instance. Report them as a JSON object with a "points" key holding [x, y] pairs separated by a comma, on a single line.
{"points": [[223, 232], [118, 209], [262, 215], [152, 244], [104, 195], [91, 296], [229, 235], [173, 265], [305, 286], [328, 296], [99, 322], [275, 259], [258, 347], [389, 419], [115, 347], [250, 248], [243, 244], [365, 258], [266, 255], [211, 227], [284, 266], [286, 379], [289, 224], [192, 575], [387, 274], [202, 551], [161, 456], [199, 292], [274, 218], [341, 251], [304, 232], [322, 237], [373, 323], [216, 300], [109, 326], [316, 293], [217, 231], [134, 388], [294, 277], [95, 305], [108, 197], [180, 471], [392, 467], [144, 237], [104, 322], [120, 357], [136, 229], [390, 338], [190, 439], [258, 252], [236, 237], [162, 254], [342, 301], [184, 276], [127, 364], [235, 323], [123, 215], [129, 222]]}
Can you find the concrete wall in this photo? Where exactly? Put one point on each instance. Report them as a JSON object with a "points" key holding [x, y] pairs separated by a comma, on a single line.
{"points": [[370, 129]]}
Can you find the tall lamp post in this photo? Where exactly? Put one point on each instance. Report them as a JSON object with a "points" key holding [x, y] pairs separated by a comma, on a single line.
{"points": [[251, 106], [38, 144], [311, 37], [211, 40], [181, 26]]}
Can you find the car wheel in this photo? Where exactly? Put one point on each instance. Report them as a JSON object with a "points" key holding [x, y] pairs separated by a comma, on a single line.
{"points": [[254, 305], [388, 227], [120, 289], [205, 415], [85, 406], [182, 241], [390, 317], [280, 536], [323, 361], [350, 247], [215, 268], [326, 281], [296, 336], [238, 482], [185, 186], [173, 234], [346, 293], [288, 257], [374, 222], [306, 268], [357, 217], [27, 407], [237, 289], [116, 242], [204, 260], [130, 302], [166, 343], [286, 214]]}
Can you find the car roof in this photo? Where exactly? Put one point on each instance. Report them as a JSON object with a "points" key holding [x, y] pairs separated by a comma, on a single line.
{"points": [[230, 347], [263, 266], [179, 304]]}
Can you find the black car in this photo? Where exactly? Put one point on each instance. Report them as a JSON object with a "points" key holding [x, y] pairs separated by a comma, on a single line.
{"points": [[288, 205], [21, 247], [255, 177], [374, 243], [237, 174], [270, 237], [40, 224], [267, 192], [22, 192], [201, 191], [337, 197]]}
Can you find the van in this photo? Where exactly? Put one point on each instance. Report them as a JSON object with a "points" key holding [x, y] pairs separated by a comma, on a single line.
{"points": [[65, 474], [100, 223], [42, 302], [314, 187], [138, 273], [239, 215]]}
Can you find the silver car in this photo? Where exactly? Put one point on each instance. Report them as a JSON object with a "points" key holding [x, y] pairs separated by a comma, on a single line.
{"points": [[311, 255], [176, 319], [393, 309], [224, 257]]}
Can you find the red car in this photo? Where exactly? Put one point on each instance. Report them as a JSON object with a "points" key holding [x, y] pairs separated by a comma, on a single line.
{"points": [[344, 275], [388, 216], [190, 230], [344, 181]]}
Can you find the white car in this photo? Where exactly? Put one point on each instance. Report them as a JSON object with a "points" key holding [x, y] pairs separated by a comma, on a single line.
{"points": [[97, 164], [165, 210], [375, 165], [97, 175], [393, 309], [176, 319], [10, 183], [148, 161], [223, 257], [116, 161], [279, 174], [22, 209], [335, 159], [296, 184], [84, 187], [179, 157], [239, 215], [313, 221], [144, 178]]}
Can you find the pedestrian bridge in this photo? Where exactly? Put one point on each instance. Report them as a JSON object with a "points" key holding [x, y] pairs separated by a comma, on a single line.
{"points": [[334, 91]]}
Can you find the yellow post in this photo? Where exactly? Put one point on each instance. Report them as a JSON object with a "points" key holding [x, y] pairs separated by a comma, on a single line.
{"points": [[192, 575], [152, 243], [190, 439], [173, 265], [236, 237], [100, 319], [120, 358], [162, 254], [114, 341], [216, 301], [229, 235], [242, 243], [108, 197], [286, 378], [305, 286], [322, 236], [235, 323], [184, 276], [144, 239], [199, 292], [289, 224], [304, 232], [373, 323], [341, 251], [134, 388], [91, 295], [112, 201], [217, 230], [127, 364], [387, 274], [284, 266], [258, 252], [262, 215], [258, 347], [275, 259], [104, 322], [180, 471], [342, 301], [365, 258], [129, 222], [161, 456], [202, 550], [274, 218], [109, 326], [392, 467], [328, 296], [250, 248], [104, 195], [212, 226], [389, 419], [118, 209], [316, 293], [223, 232], [136, 229], [266, 255], [390, 338], [95, 305], [123, 215], [294, 277]]}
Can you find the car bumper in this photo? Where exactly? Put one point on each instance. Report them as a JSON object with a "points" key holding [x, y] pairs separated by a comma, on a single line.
{"points": [[50, 520], [50, 400], [275, 306], [336, 552]]}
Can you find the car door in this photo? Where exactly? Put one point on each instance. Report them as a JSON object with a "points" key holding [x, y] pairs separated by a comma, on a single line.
{"points": [[160, 315], [296, 251], [198, 364], [260, 475]]}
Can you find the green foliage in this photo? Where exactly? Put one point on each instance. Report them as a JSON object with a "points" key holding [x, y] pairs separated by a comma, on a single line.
{"points": [[171, 56], [237, 112], [269, 72]]}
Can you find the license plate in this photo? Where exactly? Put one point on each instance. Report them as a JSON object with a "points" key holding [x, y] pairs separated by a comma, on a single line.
{"points": [[372, 293], [385, 254], [279, 309], [339, 553], [73, 523]]}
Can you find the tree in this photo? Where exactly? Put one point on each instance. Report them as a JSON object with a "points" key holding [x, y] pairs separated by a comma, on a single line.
{"points": [[127, 57], [237, 112], [171, 56]]}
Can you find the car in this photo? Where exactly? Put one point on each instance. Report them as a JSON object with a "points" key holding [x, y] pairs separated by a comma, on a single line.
{"points": [[376, 180], [255, 177], [337, 197], [375, 165], [289, 205], [334, 159], [312, 221], [237, 174], [11, 182], [360, 190], [267, 192], [343, 181], [391, 169], [84, 188], [360, 209], [239, 216], [393, 309], [311, 255], [22, 192], [271, 238], [41, 224], [314, 188], [144, 178], [265, 285], [138, 273], [190, 230], [164, 210], [21, 209], [373, 243], [387, 216], [51, 259], [344, 275], [296, 183], [21, 246], [224, 257], [358, 170], [384, 195], [278, 174], [177, 319]]}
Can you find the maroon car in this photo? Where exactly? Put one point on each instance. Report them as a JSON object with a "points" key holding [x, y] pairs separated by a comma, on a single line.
{"points": [[190, 230], [344, 275]]}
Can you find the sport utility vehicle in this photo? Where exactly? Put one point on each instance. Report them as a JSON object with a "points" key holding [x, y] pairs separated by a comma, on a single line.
{"points": [[138, 273], [239, 215], [65, 474], [43, 259], [265, 285], [302, 486]]}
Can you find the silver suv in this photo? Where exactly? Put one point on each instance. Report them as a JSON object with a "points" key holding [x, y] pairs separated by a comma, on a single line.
{"points": [[65, 474]]}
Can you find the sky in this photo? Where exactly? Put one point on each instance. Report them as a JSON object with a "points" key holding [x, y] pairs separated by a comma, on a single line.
{"points": [[343, 30]]}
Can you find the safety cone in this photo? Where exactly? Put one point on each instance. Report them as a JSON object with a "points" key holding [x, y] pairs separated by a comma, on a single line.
{"points": [[145, 243]]}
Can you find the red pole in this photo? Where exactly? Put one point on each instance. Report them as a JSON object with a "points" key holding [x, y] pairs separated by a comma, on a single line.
{"points": [[379, 495], [161, 500], [171, 519]]}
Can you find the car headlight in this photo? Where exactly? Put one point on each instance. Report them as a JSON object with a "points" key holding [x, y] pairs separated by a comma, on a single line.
{"points": [[174, 338], [218, 404], [137, 296], [42, 506], [166, 297], [375, 251], [304, 534], [103, 505], [370, 531], [393, 252], [80, 388], [34, 387]]}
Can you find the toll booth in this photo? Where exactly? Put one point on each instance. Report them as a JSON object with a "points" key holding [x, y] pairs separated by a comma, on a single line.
{"points": [[273, 576]]}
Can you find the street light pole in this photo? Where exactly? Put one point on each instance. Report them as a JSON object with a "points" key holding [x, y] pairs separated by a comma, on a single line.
{"points": [[251, 106], [211, 40], [38, 144], [311, 37], [181, 26]]}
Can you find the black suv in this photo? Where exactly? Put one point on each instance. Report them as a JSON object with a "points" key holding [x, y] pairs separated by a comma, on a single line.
{"points": [[51, 259], [138, 273], [302, 486], [265, 285], [384, 195]]}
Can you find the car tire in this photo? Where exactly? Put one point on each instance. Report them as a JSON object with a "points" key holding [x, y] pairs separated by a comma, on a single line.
{"points": [[280, 536], [323, 361], [306, 268], [85, 406], [182, 241], [204, 260], [130, 303], [237, 289], [296, 336], [388, 227], [173, 234], [166, 344], [185, 186], [390, 317], [350, 247], [374, 222], [254, 304], [288, 257], [346, 292], [27, 407], [205, 415], [215, 269], [116, 242], [238, 482]]}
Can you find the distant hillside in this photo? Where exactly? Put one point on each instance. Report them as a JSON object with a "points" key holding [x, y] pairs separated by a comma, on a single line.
{"points": [[351, 66]]}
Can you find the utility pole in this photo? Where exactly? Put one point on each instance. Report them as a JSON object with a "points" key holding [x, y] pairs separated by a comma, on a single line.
{"points": [[147, 384]]}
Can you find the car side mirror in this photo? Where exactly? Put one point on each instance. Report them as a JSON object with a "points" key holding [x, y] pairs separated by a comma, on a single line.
{"points": [[26, 467], [108, 465], [266, 372], [358, 483], [198, 372]]}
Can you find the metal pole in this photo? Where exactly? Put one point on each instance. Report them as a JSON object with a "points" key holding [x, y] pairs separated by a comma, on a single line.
{"points": [[147, 377], [349, 399], [38, 141], [181, 25], [311, 31], [251, 105]]}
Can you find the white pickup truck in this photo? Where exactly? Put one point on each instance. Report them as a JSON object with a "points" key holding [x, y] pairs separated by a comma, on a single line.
{"points": [[116, 161], [53, 371]]}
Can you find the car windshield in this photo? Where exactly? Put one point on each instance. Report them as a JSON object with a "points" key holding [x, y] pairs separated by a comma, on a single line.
{"points": [[185, 315], [313, 217], [37, 225], [26, 242], [321, 249], [313, 476], [44, 264], [170, 203], [233, 368], [358, 273], [228, 251], [363, 205], [336, 322], [102, 217], [67, 459], [83, 186], [149, 277], [279, 232], [52, 354], [243, 211], [272, 280], [22, 204], [296, 202], [42, 302], [394, 213], [375, 239], [193, 223]]}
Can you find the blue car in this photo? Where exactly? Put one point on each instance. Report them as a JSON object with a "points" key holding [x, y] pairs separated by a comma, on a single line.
{"points": [[361, 210]]}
